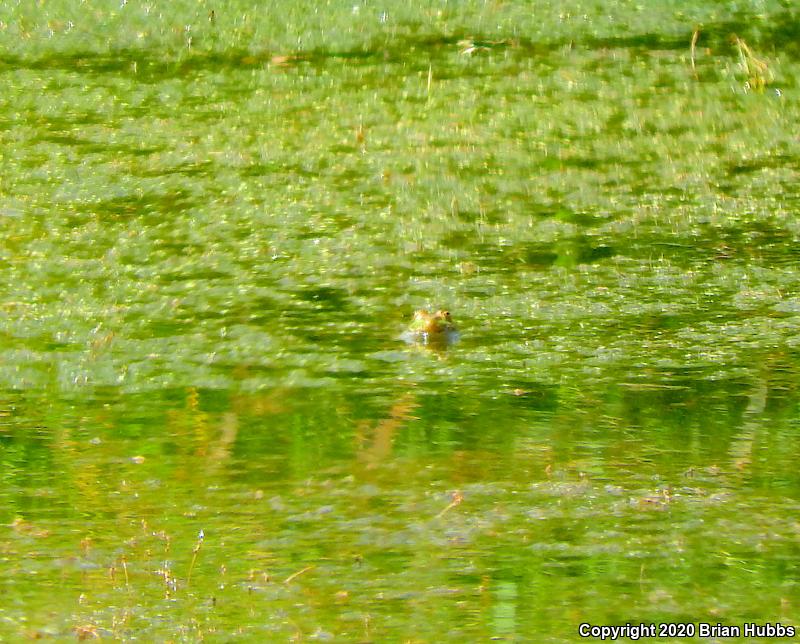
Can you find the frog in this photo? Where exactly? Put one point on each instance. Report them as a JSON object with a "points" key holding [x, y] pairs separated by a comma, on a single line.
{"points": [[431, 328]]}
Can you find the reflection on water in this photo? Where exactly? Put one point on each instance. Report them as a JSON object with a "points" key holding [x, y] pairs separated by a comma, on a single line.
{"points": [[370, 515], [505, 608]]}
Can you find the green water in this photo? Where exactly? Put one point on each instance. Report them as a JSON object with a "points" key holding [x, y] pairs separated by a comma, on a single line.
{"points": [[216, 221]]}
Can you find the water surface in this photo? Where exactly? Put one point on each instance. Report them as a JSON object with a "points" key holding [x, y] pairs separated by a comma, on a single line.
{"points": [[216, 224]]}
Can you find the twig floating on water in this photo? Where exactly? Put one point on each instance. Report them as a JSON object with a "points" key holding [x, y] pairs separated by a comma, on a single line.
{"points": [[291, 577]]}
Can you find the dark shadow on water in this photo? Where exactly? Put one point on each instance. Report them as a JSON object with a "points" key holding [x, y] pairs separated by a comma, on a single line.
{"points": [[764, 162], [140, 204], [415, 50], [325, 298], [542, 256]]}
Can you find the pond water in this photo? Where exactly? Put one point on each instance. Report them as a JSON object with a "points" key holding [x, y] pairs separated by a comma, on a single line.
{"points": [[218, 219]]}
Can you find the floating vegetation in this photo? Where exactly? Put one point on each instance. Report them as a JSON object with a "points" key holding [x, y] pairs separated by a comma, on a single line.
{"points": [[693, 50], [200, 538], [756, 70]]}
